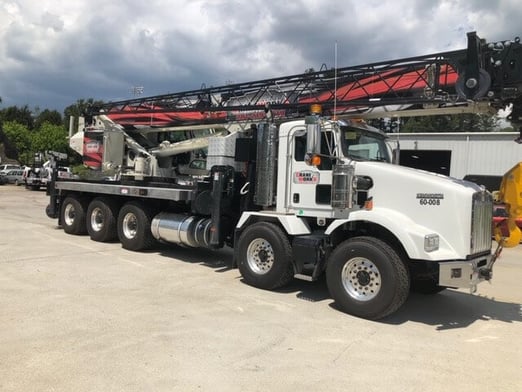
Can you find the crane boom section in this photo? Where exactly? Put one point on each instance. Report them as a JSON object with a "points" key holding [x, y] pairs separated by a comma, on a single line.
{"points": [[489, 72]]}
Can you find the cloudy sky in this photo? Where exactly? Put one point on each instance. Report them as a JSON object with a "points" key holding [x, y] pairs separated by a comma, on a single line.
{"points": [[53, 52]]}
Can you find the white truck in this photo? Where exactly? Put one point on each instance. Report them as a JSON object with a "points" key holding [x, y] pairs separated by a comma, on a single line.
{"points": [[296, 195], [39, 175]]}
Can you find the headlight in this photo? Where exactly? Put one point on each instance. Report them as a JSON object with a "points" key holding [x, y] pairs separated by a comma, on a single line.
{"points": [[431, 242]]}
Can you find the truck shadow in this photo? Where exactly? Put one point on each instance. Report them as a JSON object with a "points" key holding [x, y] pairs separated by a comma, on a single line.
{"points": [[220, 259], [453, 309], [450, 309]]}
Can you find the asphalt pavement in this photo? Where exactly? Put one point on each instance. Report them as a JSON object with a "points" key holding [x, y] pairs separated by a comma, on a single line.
{"points": [[78, 315]]}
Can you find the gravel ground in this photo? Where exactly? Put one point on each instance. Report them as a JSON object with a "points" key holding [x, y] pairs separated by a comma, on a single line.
{"points": [[77, 315]]}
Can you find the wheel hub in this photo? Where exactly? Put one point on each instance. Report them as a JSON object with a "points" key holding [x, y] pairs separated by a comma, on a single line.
{"points": [[361, 279], [260, 256], [263, 256], [130, 225], [97, 219], [69, 215]]}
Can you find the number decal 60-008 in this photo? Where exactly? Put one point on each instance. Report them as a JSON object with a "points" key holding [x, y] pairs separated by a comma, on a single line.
{"points": [[430, 199]]}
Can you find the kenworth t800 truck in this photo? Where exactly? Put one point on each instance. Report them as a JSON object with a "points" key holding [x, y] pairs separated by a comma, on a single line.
{"points": [[286, 173]]}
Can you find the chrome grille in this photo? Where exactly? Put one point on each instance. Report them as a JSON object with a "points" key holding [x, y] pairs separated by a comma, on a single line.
{"points": [[481, 222]]}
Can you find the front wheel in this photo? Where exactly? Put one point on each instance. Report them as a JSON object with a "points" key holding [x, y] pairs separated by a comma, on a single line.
{"points": [[265, 256], [367, 278]]}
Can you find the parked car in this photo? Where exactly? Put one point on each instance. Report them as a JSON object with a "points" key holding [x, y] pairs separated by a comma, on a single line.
{"points": [[64, 172], [500, 217], [6, 167], [13, 176]]}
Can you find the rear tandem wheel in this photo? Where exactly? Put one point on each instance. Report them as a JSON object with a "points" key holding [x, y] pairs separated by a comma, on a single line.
{"points": [[73, 214], [134, 220], [101, 219], [265, 256]]}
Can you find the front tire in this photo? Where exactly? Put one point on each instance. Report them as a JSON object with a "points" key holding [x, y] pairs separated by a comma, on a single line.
{"points": [[134, 222], [101, 219], [367, 278], [72, 215], [265, 256]]}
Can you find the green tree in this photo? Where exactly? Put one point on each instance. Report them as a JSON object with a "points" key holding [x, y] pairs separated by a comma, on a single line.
{"points": [[467, 122], [50, 116], [22, 115], [18, 137], [50, 137]]}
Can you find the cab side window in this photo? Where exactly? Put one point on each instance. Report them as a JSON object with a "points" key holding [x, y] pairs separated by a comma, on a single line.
{"points": [[299, 148], [327, 147]]}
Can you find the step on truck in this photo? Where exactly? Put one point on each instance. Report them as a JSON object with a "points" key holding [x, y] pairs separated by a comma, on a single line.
{"points": [[286, 172]]}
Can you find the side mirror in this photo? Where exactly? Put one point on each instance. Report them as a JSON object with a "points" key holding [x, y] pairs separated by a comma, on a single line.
{"points": [[313, 140]]}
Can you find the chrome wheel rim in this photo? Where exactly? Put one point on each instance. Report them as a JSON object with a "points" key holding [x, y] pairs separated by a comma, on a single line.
{"points": [[130, 225], [97, 220], [260, 256], [69, 214], [361, 279]]}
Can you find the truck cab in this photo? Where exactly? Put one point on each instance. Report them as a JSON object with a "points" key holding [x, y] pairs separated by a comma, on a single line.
{"points": [[330, 188], [338, 143]]}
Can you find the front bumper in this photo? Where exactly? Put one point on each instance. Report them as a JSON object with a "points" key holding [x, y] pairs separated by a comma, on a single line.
{"points": [[465, 274]]}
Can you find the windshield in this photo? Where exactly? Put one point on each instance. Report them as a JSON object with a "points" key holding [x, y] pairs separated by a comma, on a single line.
{"points": [[360, 144]]}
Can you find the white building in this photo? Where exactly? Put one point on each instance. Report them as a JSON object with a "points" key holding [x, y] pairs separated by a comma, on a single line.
{"points": [[459, 154]]}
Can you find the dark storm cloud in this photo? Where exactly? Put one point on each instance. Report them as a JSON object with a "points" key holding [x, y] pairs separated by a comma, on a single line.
{"points": [[61, 51]]}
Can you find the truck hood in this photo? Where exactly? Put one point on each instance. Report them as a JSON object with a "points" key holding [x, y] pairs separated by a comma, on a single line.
{"points": [[421, 203]]}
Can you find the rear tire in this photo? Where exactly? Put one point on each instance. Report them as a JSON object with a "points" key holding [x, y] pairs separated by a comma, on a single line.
{"points": [[265, 256], [134, 220], [367, 278], [72, 215], [102, 216]]}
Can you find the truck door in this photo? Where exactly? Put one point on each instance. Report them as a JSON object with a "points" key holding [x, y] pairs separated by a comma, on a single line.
{"points": [[309, 186]]}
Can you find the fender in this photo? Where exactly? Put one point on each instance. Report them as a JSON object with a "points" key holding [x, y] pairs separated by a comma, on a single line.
{"points": [[292, 224], [409, 233]]}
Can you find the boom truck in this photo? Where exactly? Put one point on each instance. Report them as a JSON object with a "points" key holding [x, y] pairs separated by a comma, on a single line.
{"points": [[39, 174], [287, 173]]}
